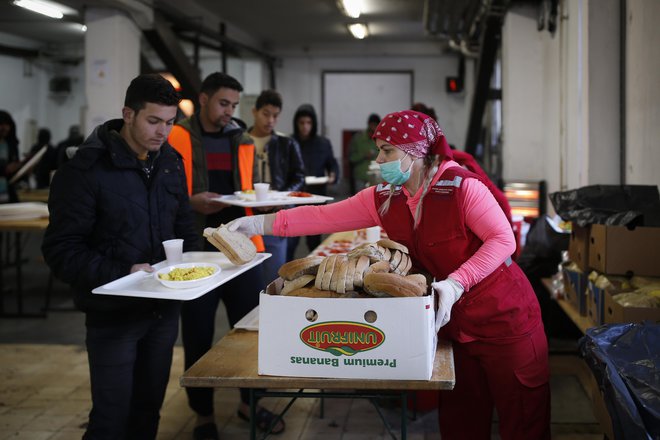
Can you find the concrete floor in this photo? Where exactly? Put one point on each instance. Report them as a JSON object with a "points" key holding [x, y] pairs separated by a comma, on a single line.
{"points": [[44, 392]]}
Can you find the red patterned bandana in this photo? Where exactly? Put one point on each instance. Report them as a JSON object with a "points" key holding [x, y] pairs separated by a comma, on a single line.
{"points": [[413, 132]]}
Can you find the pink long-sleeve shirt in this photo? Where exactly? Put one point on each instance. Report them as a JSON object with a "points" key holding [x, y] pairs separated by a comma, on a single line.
{"points": [[483, 216]]}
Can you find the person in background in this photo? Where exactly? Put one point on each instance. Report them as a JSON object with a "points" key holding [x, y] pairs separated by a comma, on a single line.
{"points": [[458, 235], [219, 158], [280, 163], [423, 108], [111, 207], [48, 161], [362, 151], [9, 161], [74, 139], [319, 161]]}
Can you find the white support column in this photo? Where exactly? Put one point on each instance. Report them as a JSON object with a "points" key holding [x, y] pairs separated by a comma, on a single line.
{"points": [[112, 57]]}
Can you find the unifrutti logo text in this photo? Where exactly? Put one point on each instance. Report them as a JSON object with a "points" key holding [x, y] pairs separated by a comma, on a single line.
{"points": [[342, 338]]}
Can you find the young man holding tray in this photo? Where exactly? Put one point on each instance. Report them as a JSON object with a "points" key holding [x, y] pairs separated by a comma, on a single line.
{"points": [[219, 159], [111, 207]]}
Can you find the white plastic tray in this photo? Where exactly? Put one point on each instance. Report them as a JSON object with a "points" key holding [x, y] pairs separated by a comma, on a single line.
{"points": [[250, 321], [314, 180], [278, 199], [143, 285]]}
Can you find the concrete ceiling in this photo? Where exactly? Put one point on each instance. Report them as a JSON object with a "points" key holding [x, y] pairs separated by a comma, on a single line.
{"points": [[278, 27], [272, 24]]}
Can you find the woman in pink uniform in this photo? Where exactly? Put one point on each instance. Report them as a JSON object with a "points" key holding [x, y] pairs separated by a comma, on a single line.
{"points": [[455, 231]]}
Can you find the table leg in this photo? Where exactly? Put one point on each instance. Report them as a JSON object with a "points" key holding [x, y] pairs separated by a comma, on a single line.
{"points": [[19, 273], [404, 415], [253, 415], [2, 278]]}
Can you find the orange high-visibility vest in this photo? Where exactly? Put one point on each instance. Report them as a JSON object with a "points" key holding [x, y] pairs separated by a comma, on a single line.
{"points": [[181, 140]]}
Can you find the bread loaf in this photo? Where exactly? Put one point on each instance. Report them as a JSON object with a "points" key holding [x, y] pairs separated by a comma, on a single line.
{"points": [[339, 270], [371, 250], [302, 266], [238, 248], [391, 284], [350, 274], [329, 270], [297, 283], [360, 267]]}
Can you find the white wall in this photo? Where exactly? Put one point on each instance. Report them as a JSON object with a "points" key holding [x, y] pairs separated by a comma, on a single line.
{"points": [[523, 77], [25, 95], [643, 92], [561, 95], [299, 81]]}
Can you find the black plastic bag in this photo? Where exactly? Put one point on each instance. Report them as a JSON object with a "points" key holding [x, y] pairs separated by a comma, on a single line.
{"points": [[625, 359], [542, 251], [615, 205]]}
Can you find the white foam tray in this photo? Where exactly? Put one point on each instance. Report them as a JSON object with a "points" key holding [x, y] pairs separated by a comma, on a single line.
{"points": [[143, 285]]}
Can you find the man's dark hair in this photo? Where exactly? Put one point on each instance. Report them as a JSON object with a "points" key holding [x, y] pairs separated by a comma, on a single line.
{"points": [[151, 88], [219, 80], [269, 97]]}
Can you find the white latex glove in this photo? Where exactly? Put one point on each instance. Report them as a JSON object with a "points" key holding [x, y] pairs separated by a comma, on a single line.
{"points": [[449, 291], [250, 225]]}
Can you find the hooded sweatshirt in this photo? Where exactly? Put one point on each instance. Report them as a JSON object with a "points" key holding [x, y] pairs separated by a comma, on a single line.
{"points": [[316, 150]]}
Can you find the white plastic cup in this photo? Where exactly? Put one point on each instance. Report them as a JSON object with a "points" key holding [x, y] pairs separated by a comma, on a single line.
{"points": [[373, 234], [173, 251], [261, 191]]}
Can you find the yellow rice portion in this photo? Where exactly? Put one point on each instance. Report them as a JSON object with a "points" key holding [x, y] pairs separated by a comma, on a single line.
{"points": [[187, 274]]}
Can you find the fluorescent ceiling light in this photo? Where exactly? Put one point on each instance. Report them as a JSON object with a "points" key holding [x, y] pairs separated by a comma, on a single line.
{"points": [[51, 9], [359, 30], [352, 8]]}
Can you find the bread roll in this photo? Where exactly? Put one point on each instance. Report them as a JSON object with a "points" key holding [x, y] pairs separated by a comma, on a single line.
{"points": [[378, 267], [391, 284], [391, 244], [238, 248], [299, 282], [420, 280], [301, 266]]}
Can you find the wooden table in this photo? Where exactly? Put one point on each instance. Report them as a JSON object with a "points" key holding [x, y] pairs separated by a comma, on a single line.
{"points": [[232, 363], [16, 227], [582, 322], [33, 195]]}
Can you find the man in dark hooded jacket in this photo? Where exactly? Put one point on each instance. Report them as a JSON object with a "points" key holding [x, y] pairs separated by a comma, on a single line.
{"points": [[111, 207], [319, 162]]}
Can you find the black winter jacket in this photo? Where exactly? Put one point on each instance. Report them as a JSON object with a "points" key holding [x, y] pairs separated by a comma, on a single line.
{"points": [[287, 171], [106, 215]]}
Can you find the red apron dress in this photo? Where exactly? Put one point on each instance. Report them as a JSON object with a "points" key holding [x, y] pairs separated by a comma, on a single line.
{"points": [[500, 349]]}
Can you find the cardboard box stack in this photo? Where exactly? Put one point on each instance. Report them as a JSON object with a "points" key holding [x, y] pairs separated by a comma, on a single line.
{"points": [[612, 279], [604, 245]]}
